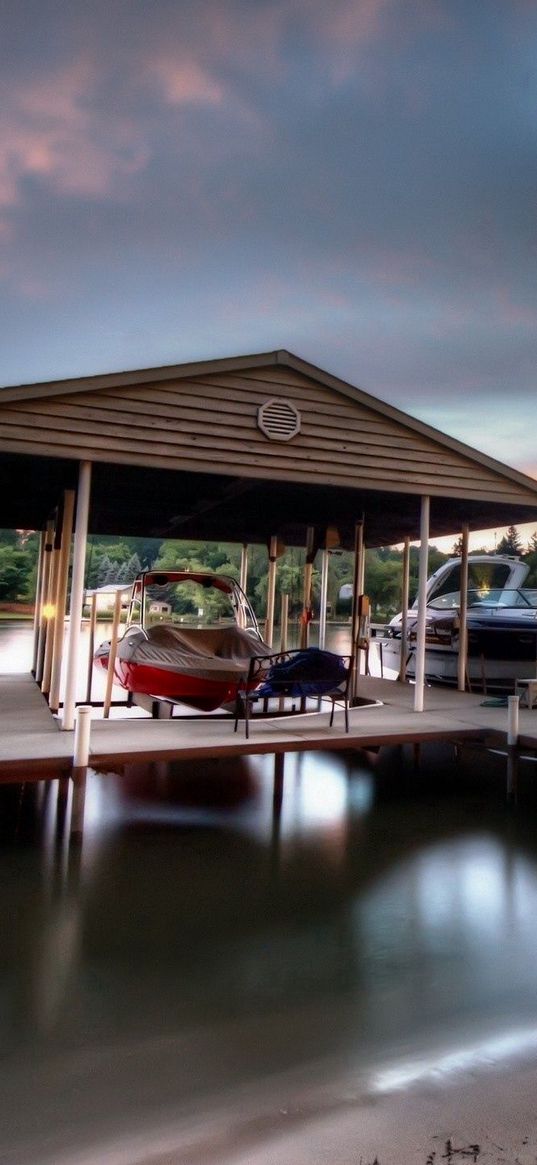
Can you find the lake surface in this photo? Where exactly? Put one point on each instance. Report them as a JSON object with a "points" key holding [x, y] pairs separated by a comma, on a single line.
{"points": [[224, 926]]}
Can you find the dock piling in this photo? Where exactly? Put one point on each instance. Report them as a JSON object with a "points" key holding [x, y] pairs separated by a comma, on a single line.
{"points": [[82, 736], [513, 703]]}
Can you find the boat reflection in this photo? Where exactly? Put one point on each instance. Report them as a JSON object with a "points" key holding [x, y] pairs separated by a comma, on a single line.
{"points": [[324, 912]]}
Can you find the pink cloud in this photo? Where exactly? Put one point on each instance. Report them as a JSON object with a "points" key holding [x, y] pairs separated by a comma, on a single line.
{"points": [[513, 313], [185, 82], [49, 130]]}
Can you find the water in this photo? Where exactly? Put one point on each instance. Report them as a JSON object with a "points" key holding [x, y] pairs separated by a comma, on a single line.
{"points": [[227, 926]]}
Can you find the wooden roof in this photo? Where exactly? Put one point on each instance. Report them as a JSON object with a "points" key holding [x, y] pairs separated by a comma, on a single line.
{"points": [[180, 452]]}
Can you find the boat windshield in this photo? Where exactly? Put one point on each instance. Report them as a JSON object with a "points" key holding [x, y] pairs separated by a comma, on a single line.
{"points": [[488, 599], [202, 600]]}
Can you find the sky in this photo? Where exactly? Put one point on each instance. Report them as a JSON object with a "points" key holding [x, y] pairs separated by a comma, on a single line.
{"points": [[355, 181]]}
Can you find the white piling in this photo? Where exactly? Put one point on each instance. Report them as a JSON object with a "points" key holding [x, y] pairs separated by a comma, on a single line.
{"points": [[462, 667], [513, 703], [82, 736], [405, 583], [419, 688], [91, 646], [77, 592]]}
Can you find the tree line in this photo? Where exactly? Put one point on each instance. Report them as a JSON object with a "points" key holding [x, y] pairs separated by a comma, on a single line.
{"points": [[112, 560]]}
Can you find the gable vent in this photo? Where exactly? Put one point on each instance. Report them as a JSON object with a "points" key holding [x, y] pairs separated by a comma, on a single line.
{"points": [[278, 419]]}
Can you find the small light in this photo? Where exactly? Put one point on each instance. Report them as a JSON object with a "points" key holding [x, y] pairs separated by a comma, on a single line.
{"points": [[49, 611]]}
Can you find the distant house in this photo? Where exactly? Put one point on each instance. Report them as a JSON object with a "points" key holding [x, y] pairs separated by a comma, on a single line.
{"points": [[106, 596], [157, 607]]}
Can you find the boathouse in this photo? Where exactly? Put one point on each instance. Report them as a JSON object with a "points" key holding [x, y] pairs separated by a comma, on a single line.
{"points": [[247, 449]]}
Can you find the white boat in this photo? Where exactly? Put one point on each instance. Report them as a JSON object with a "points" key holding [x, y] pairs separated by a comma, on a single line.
{"points": [[501, 623]]}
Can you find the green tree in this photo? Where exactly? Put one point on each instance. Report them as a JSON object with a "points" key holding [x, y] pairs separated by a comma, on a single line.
{"points": [[131, 569], [383, 585], [104, 566], [15, 571], [511, 543], [9, 538]]}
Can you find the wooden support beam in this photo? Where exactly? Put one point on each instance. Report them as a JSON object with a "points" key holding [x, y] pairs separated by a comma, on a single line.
{"points": [[61, 597]]}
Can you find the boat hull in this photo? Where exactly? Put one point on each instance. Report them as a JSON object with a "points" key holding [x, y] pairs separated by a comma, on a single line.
{"points": [[496, 657], [204, 694], [197, 666]]}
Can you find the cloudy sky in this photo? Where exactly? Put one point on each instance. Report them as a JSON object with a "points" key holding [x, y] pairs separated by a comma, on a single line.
{"points": [[355, 181]]}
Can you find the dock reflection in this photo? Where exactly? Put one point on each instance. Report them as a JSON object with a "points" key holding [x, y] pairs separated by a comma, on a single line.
{"points": [[224, 921]]}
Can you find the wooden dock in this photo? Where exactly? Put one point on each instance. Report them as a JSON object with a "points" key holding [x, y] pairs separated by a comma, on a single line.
{"points": [[32, 744]]}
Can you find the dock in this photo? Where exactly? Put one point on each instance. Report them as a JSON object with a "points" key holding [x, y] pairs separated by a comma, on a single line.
{"points": [[33, 746]]}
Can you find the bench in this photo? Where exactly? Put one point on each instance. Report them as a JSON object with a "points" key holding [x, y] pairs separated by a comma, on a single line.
{"points": [[296, 675]]}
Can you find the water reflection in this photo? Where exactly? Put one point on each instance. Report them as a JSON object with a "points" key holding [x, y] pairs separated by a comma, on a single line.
{"points": [[16, 646], [226, 921]]}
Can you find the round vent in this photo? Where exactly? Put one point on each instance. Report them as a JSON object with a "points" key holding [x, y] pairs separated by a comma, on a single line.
{"points": [[278, 419]]}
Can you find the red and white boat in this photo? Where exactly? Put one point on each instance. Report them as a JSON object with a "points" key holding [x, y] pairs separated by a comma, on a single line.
{"points": [[190, 637]]}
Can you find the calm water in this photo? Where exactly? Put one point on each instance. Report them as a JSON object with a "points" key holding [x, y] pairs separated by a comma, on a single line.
{"points": [[226, 926]]}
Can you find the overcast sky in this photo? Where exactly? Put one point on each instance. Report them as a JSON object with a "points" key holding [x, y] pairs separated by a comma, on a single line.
{"points": [[354, 180]]}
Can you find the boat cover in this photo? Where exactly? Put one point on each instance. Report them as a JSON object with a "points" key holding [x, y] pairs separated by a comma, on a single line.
{"points": [[217, 653], [311, 672]]}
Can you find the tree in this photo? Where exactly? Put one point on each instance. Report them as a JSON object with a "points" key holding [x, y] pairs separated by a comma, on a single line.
{"points": [[131, 569], [15, 569], [511, 543], [103, 571], [457, 547], [383, 585]]}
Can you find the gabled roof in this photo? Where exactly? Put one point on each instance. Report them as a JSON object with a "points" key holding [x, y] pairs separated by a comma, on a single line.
{"points": [[199, 369], [193, 428]]}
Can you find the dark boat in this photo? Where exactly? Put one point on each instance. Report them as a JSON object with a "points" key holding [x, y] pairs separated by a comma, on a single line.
{"points": [[501, 622]]}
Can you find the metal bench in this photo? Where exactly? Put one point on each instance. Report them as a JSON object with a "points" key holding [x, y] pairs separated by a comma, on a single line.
{"points": [[295, 676]]}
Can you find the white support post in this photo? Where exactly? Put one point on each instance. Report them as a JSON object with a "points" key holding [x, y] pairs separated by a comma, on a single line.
{"points": [[422, 605], [307, 587], [61, 598], [513, 703], [91, 647], [404, 609], [324, 597], [82, 737], [51, 613], [462, 664], [356, 592], [42, 638], [271, 590], [38, 598], [77, 592]]}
